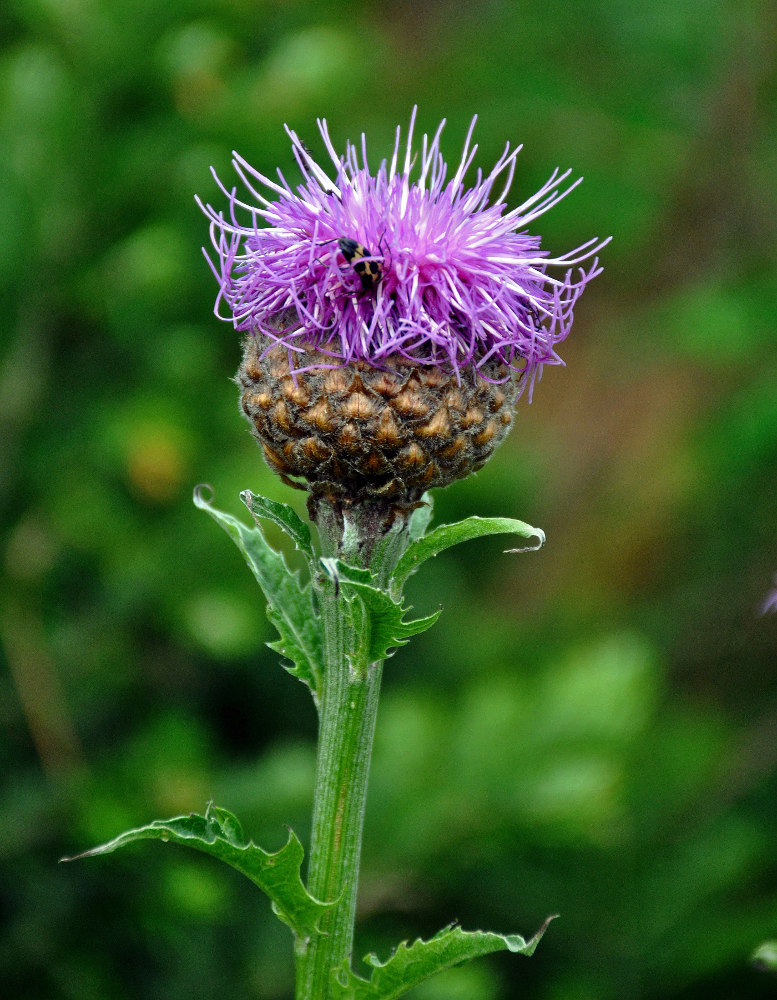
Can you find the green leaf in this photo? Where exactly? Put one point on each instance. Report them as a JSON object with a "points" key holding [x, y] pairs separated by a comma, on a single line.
{"points": [[446, 535], [377, 620], [284, 516], [219, 834], [343, 572], [412, 964], [386, 625], [290, 604], [295, 647]]}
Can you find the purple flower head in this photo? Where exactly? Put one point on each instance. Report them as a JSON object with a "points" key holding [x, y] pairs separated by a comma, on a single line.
{"points": [[365, 266]]}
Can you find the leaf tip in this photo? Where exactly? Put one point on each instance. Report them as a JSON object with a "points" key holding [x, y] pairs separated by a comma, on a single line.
{"points": [[537, 533], [531, 945], [203, 495], [78, 857]]}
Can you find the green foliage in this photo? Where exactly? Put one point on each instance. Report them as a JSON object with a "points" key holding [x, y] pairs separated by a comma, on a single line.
{"points": [[290, 605], [412, 964], [375, 625], [443, 537], [284, 516], [377, 620], [219, 834]]}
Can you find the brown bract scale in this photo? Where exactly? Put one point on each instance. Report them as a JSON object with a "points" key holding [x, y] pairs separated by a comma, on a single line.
{"points": [[357, 433]]}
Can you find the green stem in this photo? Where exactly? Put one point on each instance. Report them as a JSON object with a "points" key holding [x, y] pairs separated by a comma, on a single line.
{"points": [[347, 712], [347, 725]]}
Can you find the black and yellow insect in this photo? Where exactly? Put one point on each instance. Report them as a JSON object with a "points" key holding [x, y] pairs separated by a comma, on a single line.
{"points": [[369, 271]]}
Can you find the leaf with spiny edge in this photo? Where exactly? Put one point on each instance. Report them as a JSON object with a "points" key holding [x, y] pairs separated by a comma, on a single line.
{"points": [[219, 834], [411, 964], [378, 620], [290, 603], [284, 516]]}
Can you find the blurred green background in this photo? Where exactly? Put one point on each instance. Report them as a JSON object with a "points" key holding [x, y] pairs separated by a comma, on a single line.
{"points": [[589, 730]]}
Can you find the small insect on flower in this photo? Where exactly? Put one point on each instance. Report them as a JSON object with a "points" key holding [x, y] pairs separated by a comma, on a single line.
{"points": [[365, 264], [462, 281]]}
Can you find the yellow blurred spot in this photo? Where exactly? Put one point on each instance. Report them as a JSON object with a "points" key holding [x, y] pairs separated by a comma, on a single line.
{"points": [[155, 466]]}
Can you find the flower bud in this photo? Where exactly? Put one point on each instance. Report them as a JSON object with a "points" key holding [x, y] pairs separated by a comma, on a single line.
{"points": [[358, 432]]}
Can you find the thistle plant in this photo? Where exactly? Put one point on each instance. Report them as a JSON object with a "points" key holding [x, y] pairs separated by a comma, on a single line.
{"points": [[391, 322]]}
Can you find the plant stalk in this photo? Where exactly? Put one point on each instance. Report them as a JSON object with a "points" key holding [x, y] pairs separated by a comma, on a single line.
{"points": [[347, 712]]}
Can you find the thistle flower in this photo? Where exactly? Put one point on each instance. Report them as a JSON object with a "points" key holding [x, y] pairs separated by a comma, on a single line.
{"points": [[392, 323]]}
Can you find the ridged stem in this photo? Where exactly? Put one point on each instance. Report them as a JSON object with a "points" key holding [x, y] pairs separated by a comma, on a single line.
{"points": [[347, 713]]}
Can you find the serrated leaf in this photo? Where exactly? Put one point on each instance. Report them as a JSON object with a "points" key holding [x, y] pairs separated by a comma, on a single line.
{"points": [[378, 621], [290, 603], [412, 963], [296, 659], [446, 535], [219, 834], [387, 627], [284, 516]]}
